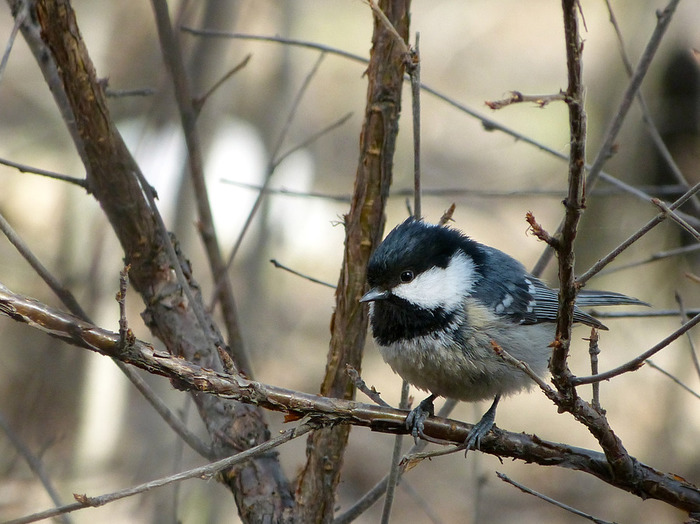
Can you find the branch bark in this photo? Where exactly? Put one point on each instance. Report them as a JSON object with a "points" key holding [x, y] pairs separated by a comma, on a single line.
{"points": [[364, 225], [114, 178], [645, 481]]}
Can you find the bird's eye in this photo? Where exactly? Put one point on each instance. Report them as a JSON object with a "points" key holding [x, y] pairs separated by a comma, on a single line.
{"points": [[407, 276]]}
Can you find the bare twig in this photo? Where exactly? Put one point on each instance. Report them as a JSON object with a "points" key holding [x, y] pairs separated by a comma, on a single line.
{"points": [[540, 232], [275, 263], [651, 126], [172, 54], [488, 123], [582, 279], [361, 385], [691, 343], [593, 352], [413, 68], [35, 464], [664, 18], [575, 201], [268, 177], [555, 502], [645, 314], [395, 468], [203, 472], [122, 93], [202, 99], [517, 97], [613, 191], [677, 219], [638, 362], [673, 378], [659, 255], [669, 488], [81, 182], [19, 20], [376, 492]]}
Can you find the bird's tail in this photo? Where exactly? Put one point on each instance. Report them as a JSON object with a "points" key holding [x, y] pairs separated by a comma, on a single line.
{"points": [[589, 298]]}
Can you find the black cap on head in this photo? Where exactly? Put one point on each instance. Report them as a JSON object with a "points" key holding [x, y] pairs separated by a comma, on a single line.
{"points": [[417, 246]]}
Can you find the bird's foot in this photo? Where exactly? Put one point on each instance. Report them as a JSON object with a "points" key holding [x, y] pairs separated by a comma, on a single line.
{"points": [[481, 428], [417, 417]]}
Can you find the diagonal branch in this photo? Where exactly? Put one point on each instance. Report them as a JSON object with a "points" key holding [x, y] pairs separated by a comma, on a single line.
{"points": [[173, 305], [645, 482]]}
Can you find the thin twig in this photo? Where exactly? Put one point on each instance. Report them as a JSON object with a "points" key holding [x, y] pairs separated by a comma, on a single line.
{"points": [[19, 20], [203, 472], [122, 93], [263, 190], [35, 464], [488, 123], [582, 279], [674, 379], [413, 68], [375, 493], [644, 314], [638, 362], [516, 97], [74, 307], [674, 216], [614, 191], [691, 342], [646, 114], [172, 54], [593, 352], [606, 149], [201, 100], [540, 496], [575, 201], [361, 385], [22, 168], [388, 25], [659, 255], [275, 263], [395, 468]]}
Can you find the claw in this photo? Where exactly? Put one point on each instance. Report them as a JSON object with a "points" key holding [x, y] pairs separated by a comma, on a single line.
{"points": [[417, 417], [481, 428]]}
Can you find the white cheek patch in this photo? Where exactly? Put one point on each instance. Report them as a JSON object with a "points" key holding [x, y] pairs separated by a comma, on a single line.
{"points": [[441, 287]]}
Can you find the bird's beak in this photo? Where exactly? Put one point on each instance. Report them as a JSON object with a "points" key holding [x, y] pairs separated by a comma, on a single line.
{"points": [[374, 294]]}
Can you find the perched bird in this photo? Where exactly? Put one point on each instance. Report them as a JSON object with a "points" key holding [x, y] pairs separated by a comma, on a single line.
{"points": [[437, 301]]}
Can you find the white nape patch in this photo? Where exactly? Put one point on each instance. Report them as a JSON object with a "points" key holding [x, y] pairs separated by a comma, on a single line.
{"points": [[441, 287]]}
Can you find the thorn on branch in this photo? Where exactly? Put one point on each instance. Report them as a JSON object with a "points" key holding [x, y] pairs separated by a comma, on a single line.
{"points": [[540, 232]]}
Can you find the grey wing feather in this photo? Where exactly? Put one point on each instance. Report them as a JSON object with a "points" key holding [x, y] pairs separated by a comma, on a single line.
{"points": [[511, 291]]}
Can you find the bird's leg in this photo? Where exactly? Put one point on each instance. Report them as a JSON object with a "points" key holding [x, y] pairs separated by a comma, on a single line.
{"points": [[482, 427], [417, 416]]}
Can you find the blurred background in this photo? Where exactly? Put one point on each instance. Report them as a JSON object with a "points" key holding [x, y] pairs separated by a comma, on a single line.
{"points": [[94, 432]]}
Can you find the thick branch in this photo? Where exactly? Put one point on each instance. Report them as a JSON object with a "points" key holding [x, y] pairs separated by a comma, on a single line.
{"points": [[174, 309], [646, 482]]}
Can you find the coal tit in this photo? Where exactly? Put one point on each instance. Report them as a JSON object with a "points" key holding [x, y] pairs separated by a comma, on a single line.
{"points": [[437, 301]]}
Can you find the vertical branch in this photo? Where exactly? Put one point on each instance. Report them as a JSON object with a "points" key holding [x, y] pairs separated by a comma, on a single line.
{"points": [[260, 489], [414, 72], [575, 199], [363, 231]]}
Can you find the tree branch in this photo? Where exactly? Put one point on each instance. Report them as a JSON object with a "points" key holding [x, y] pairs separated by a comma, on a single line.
{"points": [[645, 482]]}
